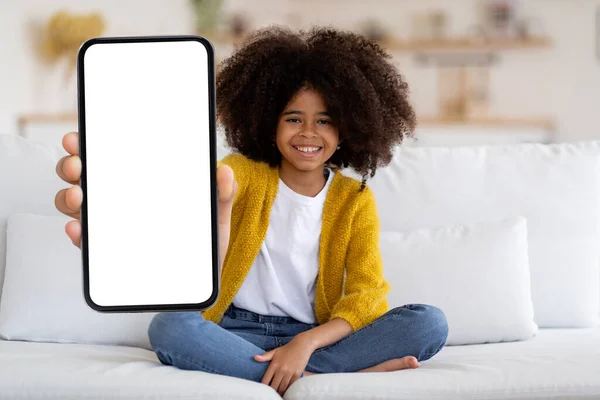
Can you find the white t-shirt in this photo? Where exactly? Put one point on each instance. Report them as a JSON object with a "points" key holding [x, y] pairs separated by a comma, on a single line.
{"points": [[282, 280]]}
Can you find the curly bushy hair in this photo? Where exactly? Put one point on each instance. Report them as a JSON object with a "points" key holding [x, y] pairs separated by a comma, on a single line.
{"points": [[365, 95]]}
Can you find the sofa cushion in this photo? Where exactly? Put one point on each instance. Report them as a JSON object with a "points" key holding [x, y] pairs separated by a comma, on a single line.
{"points": [[28, 182], [43, 291], [477, 274], [42, 371], [557, 363], [555, 187]]}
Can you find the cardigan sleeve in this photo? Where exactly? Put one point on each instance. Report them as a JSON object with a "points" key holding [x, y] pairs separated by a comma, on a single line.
{"points": [[365, 289]]}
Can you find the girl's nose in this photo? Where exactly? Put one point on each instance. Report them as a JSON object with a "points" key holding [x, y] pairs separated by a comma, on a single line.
{"points": [[308, 133]]}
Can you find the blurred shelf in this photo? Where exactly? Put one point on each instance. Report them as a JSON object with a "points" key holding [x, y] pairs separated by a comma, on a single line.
{"points": [[466, 44], [496, 122], [423, 45], [541, 123], [44, 118]]}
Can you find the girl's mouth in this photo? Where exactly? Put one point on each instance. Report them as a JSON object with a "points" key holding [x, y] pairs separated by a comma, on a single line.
{"points": [[308, 151]]}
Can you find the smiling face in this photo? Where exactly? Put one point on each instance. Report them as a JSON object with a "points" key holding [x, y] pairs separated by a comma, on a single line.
{"points": [[306, 135]]}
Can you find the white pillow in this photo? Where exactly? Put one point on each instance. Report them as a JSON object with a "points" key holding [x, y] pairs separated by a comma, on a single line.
{"points": [[477, 274], [43, 301], [555, 187], [28, 182]]}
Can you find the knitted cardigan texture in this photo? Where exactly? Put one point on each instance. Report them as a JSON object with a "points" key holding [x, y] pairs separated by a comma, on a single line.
{"points": [[350, 283]]}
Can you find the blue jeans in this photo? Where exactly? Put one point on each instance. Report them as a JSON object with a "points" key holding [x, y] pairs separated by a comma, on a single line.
{"points": [[188, 341]]}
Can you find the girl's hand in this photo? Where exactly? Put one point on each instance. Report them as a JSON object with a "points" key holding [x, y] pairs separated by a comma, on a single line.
{"points": [[287, 363], [68, 201]]}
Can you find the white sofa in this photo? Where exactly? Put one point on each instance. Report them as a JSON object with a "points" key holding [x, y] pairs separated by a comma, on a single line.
{"points": [[452, 219]]}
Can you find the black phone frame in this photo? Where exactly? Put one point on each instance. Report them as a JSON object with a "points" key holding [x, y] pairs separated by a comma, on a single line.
{"points": [[213, 174]]}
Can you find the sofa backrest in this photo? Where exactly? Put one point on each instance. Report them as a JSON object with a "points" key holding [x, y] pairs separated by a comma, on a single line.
{"points": [[555, 187], [28, 182]]}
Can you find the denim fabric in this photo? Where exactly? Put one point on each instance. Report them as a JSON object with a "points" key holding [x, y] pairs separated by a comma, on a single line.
{"points": [[187, 341]]}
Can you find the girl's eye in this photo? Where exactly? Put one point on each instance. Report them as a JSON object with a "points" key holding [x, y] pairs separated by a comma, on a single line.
{"points": [[292, 120], [324, 121]]}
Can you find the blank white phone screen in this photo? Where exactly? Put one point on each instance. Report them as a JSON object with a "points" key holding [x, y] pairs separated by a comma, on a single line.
{"points": [[147, 172]]}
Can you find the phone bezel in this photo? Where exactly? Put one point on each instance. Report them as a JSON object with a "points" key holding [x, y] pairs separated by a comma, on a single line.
{"points": [[213, 180]]}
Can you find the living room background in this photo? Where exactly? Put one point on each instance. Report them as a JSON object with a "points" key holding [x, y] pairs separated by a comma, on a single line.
{"points": [[542, 89]]}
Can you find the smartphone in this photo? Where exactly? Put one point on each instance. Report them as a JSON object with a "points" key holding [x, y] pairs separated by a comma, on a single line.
{"points": [[147, 137]]}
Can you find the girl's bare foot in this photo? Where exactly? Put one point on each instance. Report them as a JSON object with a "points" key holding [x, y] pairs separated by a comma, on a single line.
{"points": [[396, 364]]}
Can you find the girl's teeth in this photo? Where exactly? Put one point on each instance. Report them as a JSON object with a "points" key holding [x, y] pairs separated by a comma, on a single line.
{"points": [[308, 149]]}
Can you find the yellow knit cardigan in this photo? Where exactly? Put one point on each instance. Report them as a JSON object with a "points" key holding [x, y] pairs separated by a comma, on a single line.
{"points": [[350, 282]]}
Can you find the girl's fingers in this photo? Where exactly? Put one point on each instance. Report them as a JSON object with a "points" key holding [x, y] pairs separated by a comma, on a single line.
{"points": [[70, 143], [276, 382], [68, 168], [268, 376], [268, 356], [285, 383], [227, 187], [73, 230], [68, 201]]}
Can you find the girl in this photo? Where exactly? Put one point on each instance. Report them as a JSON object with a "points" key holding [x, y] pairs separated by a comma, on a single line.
{"points": [[302, 287]]}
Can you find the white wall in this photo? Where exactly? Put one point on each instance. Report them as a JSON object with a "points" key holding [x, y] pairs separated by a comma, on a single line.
{"points": [[563, 81], [28, 86]]}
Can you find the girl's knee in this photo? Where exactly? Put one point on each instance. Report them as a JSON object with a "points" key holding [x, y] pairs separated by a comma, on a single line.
{"points": [[436, 319], [166, 329], [429, 324], [434, 316], [426, 315], [435, 329]]}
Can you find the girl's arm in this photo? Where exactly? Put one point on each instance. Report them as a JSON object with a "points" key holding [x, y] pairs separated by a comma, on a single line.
{"points": [[326, 334]]}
